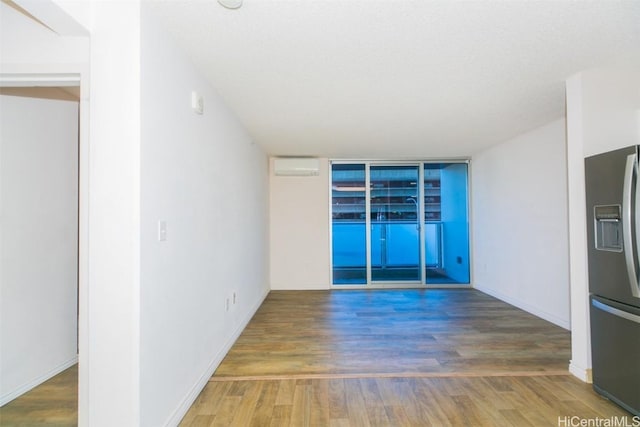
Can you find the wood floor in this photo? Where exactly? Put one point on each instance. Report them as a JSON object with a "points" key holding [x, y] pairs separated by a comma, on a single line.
{"points": [[539, 400], [375, 358], [396, 358], [52, 403], [394, 331]]}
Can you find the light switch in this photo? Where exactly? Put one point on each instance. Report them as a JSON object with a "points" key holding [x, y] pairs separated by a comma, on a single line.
{"points": [[197, 102], [162, 230]]}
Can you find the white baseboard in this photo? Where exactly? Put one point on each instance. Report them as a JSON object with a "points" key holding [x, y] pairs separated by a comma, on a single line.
{"points": [[581, 373], [184, 406], [536, 311], [19, 391], [297, 287]]}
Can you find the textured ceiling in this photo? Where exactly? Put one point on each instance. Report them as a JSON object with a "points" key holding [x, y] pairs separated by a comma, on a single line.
{"points": [[396, 78]]}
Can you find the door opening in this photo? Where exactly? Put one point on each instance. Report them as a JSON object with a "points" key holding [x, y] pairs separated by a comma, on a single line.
{"points": [[45, 177]]}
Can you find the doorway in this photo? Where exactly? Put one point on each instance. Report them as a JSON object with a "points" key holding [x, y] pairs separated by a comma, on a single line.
{"points": [[40, 199], [399, 224]]}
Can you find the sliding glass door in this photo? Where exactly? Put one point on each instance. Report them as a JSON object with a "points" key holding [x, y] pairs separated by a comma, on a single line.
{"points": [[399, 223], [395, 223], [349, 224], [446, 224]]}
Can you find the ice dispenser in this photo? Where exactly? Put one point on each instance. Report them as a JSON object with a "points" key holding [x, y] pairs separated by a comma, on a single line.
{"points": [[608, 224]]}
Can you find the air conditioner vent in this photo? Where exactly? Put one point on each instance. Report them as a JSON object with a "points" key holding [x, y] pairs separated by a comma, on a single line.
{"points": [[296, 166]]}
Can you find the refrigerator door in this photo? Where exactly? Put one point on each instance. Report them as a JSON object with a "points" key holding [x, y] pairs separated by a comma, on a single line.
{"points": [[615, 339], [611, 233]]}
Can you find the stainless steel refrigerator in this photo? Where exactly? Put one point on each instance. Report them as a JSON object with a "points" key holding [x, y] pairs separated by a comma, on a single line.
{"points": [[613, 231]]}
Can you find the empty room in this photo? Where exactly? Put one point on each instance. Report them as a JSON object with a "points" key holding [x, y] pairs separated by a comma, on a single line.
{"points": [[324, 213]]}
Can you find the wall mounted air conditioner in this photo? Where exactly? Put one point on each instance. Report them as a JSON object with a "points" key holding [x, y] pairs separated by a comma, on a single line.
{"points": [[296, 166]]}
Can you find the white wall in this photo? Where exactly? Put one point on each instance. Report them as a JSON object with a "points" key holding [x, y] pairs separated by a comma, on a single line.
{"points": [[227, 220], [610, 101], [38, 241], [204, 176], [30, 47], [520, 223], [603, 114], [113, 349], [299, 230]]}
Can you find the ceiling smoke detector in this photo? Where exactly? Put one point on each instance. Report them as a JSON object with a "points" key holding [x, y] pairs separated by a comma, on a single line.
{"points": [[231, 4]]}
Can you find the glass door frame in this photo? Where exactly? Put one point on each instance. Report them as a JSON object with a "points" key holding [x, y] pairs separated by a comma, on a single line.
{"points": [[369, 225], [370, 284]]}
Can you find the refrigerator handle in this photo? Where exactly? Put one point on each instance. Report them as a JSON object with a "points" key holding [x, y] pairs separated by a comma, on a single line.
{"points": [[630, 173], [616, 312]]}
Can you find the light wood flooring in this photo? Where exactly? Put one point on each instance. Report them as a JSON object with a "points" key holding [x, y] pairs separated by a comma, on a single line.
{"points": [[396, 358], [518, 401], [375, 358], [394, 331], [52, 403]]}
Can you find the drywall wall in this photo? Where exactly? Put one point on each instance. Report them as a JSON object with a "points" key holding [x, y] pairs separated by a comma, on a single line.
{"points": [[202, 176], [520, 223], [120, 392], [38, 241], [299, 230], [603, 114], [610, 109], [112, 352], [28, 46]]}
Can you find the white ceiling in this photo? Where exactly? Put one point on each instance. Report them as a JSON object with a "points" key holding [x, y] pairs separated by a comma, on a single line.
{"points": [[398, 78]]}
